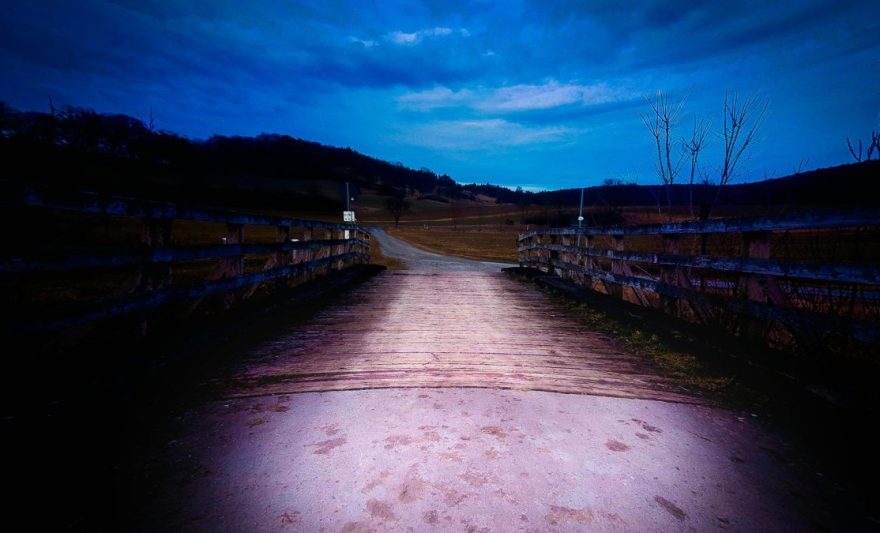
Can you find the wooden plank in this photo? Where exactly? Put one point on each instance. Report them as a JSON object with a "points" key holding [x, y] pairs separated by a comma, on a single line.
{"points": [[792, 221], [150, 300], [421, 337], [162, 254], [796, 318], [830, 272]]}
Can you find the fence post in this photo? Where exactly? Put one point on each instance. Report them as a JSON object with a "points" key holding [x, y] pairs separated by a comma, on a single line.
{"points": [[307, 255], [155, 233], [670, 274], [757, 288], [282, 258], [617, 267], [234, 266], [153, 277]]}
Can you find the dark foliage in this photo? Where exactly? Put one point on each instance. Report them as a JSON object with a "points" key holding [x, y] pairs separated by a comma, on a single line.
{"points": [[82, 149]]}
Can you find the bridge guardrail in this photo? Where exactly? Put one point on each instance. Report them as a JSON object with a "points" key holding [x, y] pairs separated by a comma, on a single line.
{"points": [[320, 247], [758, 278]]}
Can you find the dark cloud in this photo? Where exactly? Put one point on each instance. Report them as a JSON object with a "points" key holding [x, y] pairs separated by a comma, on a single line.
{"points": [[336, 68]]}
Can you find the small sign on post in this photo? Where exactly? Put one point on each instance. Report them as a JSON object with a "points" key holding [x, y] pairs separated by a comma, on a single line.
{"points": [[348, 216]]}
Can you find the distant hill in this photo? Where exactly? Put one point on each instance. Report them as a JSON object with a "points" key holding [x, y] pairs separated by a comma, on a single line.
{"points": [[117, 153], [80, 148], [845, 185]]}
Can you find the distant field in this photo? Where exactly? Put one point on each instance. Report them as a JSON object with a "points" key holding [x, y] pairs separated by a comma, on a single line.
{"points": [[483, 245]]}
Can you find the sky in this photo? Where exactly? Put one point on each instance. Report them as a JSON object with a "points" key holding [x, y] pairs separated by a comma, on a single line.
{"points": [[539, 94]]}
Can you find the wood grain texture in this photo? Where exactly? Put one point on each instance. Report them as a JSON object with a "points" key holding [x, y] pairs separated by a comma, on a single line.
{"points": [[455, 329]]}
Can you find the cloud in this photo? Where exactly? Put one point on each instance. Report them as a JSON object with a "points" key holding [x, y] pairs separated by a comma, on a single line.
{"points": [[548, 95], [483, 134], [437, 97], [515, 98], [366, 43], [411, 38]]}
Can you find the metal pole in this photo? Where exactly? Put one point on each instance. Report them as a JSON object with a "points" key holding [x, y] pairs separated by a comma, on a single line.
{"points": [[348, 198], [580, 217]]}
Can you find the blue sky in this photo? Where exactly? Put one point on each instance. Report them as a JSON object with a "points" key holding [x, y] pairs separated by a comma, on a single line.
{"points": [[540, 94]]}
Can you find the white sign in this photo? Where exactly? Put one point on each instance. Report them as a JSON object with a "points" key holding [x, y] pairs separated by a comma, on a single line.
{"points": [[348, 216]]}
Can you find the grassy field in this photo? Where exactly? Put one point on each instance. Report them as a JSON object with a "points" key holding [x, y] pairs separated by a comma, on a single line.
{"points": [[484, 245]]}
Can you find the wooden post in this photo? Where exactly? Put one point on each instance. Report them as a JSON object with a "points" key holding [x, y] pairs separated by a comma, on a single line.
{"points": [[152, 277], [758, 288], [234, 266], [306, 255], [670, 274], [623, 268], [565, 257], [155, 233], [282, 259], [587, 261], [617, 267]]}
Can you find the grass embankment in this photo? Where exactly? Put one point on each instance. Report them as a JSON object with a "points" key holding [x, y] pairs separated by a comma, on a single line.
{"points": [[377, 257], [482, 245]]}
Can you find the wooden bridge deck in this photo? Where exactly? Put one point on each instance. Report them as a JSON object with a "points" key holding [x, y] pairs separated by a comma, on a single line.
{"points": [[449, 329]]}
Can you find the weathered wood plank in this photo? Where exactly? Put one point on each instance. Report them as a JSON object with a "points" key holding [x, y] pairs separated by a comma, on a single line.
{"points": [[467, 329], [104, 309], [830, 272], [792, 221], [162, 254], [859, 330]]}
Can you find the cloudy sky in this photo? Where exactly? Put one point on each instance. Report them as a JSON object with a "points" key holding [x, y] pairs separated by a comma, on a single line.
{"points": [[540, 94]]}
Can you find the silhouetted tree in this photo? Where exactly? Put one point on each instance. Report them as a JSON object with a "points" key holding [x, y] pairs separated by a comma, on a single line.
{"points": [[397, 205], [693, 147], [741, 122], [660, 122], [873, 147]]}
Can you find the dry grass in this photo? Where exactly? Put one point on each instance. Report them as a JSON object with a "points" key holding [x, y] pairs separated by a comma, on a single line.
{"points": [[377, 257], [483, 245]]}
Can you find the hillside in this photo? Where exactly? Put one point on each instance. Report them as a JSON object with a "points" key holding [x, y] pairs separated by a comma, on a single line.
{"points": [[115, 153]]}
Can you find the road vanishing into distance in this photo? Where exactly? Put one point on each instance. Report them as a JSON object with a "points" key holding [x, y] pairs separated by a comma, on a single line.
{"points": [[450, 397]]}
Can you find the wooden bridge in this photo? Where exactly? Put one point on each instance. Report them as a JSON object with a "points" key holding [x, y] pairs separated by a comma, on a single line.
{"points": [[429, 398]]}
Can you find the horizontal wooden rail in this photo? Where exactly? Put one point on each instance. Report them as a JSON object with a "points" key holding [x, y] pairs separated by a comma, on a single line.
{"points": [[794, 221], [86, 202], [147, 300], [754, 294], [164, 254], [862, 331], [836, 273], [146, 280]]}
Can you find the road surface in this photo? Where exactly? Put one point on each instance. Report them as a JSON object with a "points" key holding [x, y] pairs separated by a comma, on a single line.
{"points": [[451, 398]]}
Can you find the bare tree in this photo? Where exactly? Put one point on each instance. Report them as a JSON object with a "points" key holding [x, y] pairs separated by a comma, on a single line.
{"points": [[397, 206], [660, 123], [693, 147], [874, 146], [742, 119]]}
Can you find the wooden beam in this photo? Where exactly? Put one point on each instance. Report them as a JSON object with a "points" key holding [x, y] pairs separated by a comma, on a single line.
{"points": [[792, 221], [797, 318], [161, 254], [152, 299], [830, 272]]}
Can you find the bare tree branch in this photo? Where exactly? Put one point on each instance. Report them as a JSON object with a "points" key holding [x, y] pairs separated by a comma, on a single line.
{"points": [[693, 147], [742, 119], [857, 157], [660, 123]]}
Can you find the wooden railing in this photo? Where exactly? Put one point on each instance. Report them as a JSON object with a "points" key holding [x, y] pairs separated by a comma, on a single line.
{"points": [[319, 247], [790, 278]]}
